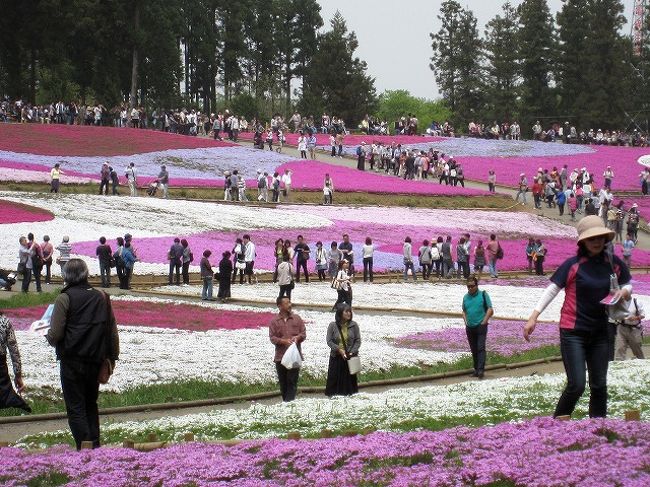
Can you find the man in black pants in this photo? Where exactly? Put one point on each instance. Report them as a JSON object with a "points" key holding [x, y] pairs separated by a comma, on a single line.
{"points": [[285, 329], [84, 332], [302, 251], [477, 311]]}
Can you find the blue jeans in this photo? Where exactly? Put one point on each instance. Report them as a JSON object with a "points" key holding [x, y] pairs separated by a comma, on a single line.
{"points": [[407, 266], [579, 349], [492, 264], [207, 288]]}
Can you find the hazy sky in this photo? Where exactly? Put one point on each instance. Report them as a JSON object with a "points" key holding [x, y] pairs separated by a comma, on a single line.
{"points": [[394, 36]]}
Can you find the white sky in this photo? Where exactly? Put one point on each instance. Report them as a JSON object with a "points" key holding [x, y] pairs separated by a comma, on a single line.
{"points": [[394, 36]]}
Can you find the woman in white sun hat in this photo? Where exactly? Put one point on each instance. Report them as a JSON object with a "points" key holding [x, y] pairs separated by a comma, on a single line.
{"points": [[587, 278]]}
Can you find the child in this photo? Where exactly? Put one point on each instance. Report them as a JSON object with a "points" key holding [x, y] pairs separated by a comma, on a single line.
{"points": [[573, 206], [321, 261]]}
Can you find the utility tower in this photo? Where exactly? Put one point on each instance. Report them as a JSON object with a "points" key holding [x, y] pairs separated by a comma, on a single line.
{"points": [[639, 20]]}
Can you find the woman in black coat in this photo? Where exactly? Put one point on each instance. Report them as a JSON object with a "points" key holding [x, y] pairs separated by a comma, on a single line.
{"points": [[344, 340], [225, 272]]}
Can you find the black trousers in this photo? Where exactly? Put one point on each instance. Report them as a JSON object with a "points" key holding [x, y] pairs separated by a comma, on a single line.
{"points": [[285, 290], [288, 379], [302, 264], [476, 336], [80, 392]]}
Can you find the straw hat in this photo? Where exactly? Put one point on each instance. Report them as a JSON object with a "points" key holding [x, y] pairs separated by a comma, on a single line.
{"points": [[593, 226]]}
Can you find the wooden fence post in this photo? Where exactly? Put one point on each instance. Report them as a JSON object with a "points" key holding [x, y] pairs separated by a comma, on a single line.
{"points": [[86, 445]]}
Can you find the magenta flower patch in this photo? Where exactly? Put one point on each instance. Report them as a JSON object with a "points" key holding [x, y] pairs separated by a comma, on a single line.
{"points": [[176, 316], [594, 452], [16, 213]]}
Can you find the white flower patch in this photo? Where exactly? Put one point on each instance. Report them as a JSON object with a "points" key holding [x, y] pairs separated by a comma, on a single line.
{"points": [[514, 397], [508, 301], [157, 355]]}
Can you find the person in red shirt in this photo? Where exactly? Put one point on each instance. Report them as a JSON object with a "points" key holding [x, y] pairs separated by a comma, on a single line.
{"points": [[538, 190], [492, 249], [285, 329]]}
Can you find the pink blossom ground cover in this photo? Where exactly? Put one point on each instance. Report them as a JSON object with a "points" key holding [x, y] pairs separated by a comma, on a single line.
{"points": [[542, 452], [310, 175], [503, 338], [622, 159], [387, 238], [80, 140], [160, 315], [11, 212]]}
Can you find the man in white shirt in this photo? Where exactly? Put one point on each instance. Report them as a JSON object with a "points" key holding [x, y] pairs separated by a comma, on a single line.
{"points": [[132, 179], [286, 183], [249, 257]]}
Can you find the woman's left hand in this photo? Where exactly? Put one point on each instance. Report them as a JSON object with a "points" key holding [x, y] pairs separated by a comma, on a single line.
{"points": [[622, 294]]}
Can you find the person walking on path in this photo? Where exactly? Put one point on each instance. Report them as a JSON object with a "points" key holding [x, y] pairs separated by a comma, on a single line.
{"points": [[188, 258], [287, 328], [629, 330], [477, 311], [163, 180], [342, 285], [589, 277], [522, 189], [207, 276], [407, 253], [120, 268], [301, 251], [225, 270], [64, 249], [10, 398], [104, 256], [321, 261], [37, 260], [367, 253], [285, 276], [132, 179], [494, 253], [84, 333], [334, 256], [344, 341], [539, 256], [175, 257], [55, 178]]}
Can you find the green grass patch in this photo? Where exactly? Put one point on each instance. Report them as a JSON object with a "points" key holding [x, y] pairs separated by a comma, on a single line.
{"points": [[24, 300], [50, 479], [313, 197]]}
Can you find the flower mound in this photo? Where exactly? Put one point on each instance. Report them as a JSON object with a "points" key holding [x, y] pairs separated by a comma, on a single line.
{"points": [[11, 212], [161, 315], [310, 175], [75, 140], [598, 451]]}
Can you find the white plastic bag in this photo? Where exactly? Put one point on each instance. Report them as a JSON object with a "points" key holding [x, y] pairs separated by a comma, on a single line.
{"points": [[291, 358], [42, 326]]}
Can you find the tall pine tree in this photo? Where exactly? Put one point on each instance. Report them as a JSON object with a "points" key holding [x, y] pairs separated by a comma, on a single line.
{"points": [[535, 44], [456, 62], [502, 86], [336, 81]]}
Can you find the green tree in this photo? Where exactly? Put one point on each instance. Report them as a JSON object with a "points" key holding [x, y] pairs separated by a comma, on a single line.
{"points": [[335, 80], [502, 86], [535, 43], [395, 103], [456, 61]]}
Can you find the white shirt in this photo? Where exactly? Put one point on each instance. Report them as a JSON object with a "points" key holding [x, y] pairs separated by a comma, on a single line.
{"points": [[249, 252], [367, 251], [286, 179]]}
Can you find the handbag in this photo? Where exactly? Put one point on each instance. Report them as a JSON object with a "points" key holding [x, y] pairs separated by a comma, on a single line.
{"points": [[354, 363], [240, 265], [106, 367]]}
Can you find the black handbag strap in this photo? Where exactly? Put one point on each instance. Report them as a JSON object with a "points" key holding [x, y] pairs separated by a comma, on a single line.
{"points": [[107, 338]]}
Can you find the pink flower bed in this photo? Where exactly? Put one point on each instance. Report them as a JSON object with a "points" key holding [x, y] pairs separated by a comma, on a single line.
{"points": [[387, 238], [541, 452], [310, 175], [160, 315], [504, 338], [75, 140], [622, 159], [16, 213]]}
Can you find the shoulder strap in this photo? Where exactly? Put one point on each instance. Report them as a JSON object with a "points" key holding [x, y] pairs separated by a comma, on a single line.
{"points": [[485, 306], [107, 338], [636, 306]]}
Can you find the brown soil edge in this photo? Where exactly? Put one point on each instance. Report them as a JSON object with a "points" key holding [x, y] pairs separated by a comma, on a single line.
{"points": [[266, 395]]}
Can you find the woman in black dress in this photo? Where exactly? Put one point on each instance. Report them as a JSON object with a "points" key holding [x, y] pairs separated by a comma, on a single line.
{"points": [[8, 396], [344, 340], [225, 270]]}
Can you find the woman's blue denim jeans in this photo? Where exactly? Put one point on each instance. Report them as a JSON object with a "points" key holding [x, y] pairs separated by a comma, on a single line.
{"points": [[583, 351], [207, 288]]}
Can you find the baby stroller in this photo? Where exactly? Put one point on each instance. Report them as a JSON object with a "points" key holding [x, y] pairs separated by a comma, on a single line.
{"points": [[152, 188]]}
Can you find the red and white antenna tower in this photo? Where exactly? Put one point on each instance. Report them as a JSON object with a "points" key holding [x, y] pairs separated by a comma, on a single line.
{"points": [[639, 20]]}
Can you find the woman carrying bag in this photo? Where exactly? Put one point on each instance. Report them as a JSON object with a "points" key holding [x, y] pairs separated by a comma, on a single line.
{"points": [[342, 285], [344, 340]]}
